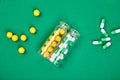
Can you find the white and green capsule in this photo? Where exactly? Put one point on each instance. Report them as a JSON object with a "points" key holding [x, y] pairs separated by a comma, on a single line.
{"points": [[106, 39], [97, 42], [102, 24], [115, 31], [108, 44], [104, 32]]}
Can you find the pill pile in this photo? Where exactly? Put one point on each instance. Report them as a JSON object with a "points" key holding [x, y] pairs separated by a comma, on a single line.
{"points": [[106, 40], [59, 43], [14, 37]]}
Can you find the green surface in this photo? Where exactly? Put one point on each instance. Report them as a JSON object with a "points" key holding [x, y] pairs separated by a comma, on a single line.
{"points": [[85, 61]]}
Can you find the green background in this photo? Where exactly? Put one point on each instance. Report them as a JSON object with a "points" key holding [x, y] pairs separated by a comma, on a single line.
{"points": [[84, 62]]}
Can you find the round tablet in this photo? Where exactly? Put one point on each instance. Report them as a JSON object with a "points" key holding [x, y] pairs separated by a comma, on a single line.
{"points": [[50, 49], [23, 37], [62, 31], [54, 44], [46, 43], [14, 38], [58, 38], [9, 34], [32, 30], [46, 54], [21, 50], [50, 37], [36, 12]]}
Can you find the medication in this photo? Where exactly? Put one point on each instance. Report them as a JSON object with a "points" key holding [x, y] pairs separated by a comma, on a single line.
{"points": [[21, 50], [104, 32], [23, 37], [14, 38], [115, 31], [108, 44], [97, 42], [9, 34], [59, 43], [36, 12], [32, 30], [102, 24], [106, 39]]}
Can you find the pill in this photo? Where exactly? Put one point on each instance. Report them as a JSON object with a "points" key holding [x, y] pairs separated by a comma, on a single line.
{"points": [[36, 12], [9, 34], [46, 43], [58, 38], [21, 50], [46, 54], [50, 49], [43, 47], [54, 44], [14, 38], [115, 31], [102, 24], [97, 42], [56, 32], [104, 32], [32, 30], [50, 37], [106, 39], [62, 31], [108, 44], [23, 37]]}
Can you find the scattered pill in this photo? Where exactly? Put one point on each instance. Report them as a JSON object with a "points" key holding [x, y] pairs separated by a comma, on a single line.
{"points": [[23, 37], [106, 39], [36, 12], [97, 42], [9, 34], [58, 38], [32, 30], [115, 31], [14, 38], [46, 43], [50, 37], [102, 24], [108, 44], [56, 32], [21, 50], [104, 32]]}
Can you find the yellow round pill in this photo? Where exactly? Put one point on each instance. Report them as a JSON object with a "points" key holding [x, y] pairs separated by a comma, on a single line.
{"points": [[50, 49], [14, 38], [62, 31], [43, 47], [46, 54], [36, 12], [21, 50], [23, 37], [32, 30], [56, 32], [46, 43], [50, 37], [54, 44], [9, 34], [58, 38]]}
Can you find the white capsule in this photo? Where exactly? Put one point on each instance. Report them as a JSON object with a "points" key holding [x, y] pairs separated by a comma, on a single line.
{"points": [[102, 24], [104, 32], [108, 44], [115, 31], [106, 39], [97, 42]]}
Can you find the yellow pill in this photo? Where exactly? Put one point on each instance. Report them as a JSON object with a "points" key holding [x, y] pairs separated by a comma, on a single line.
{"points": [[9, 34], [32, 30], [50, 37], [50, 49], [23, 37], [54, 44], [62, 31], [43, 47], [14, 38], [36, 12], [46, 43], [58, 38], [21, 50], [46, 54], [56, 32]]}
